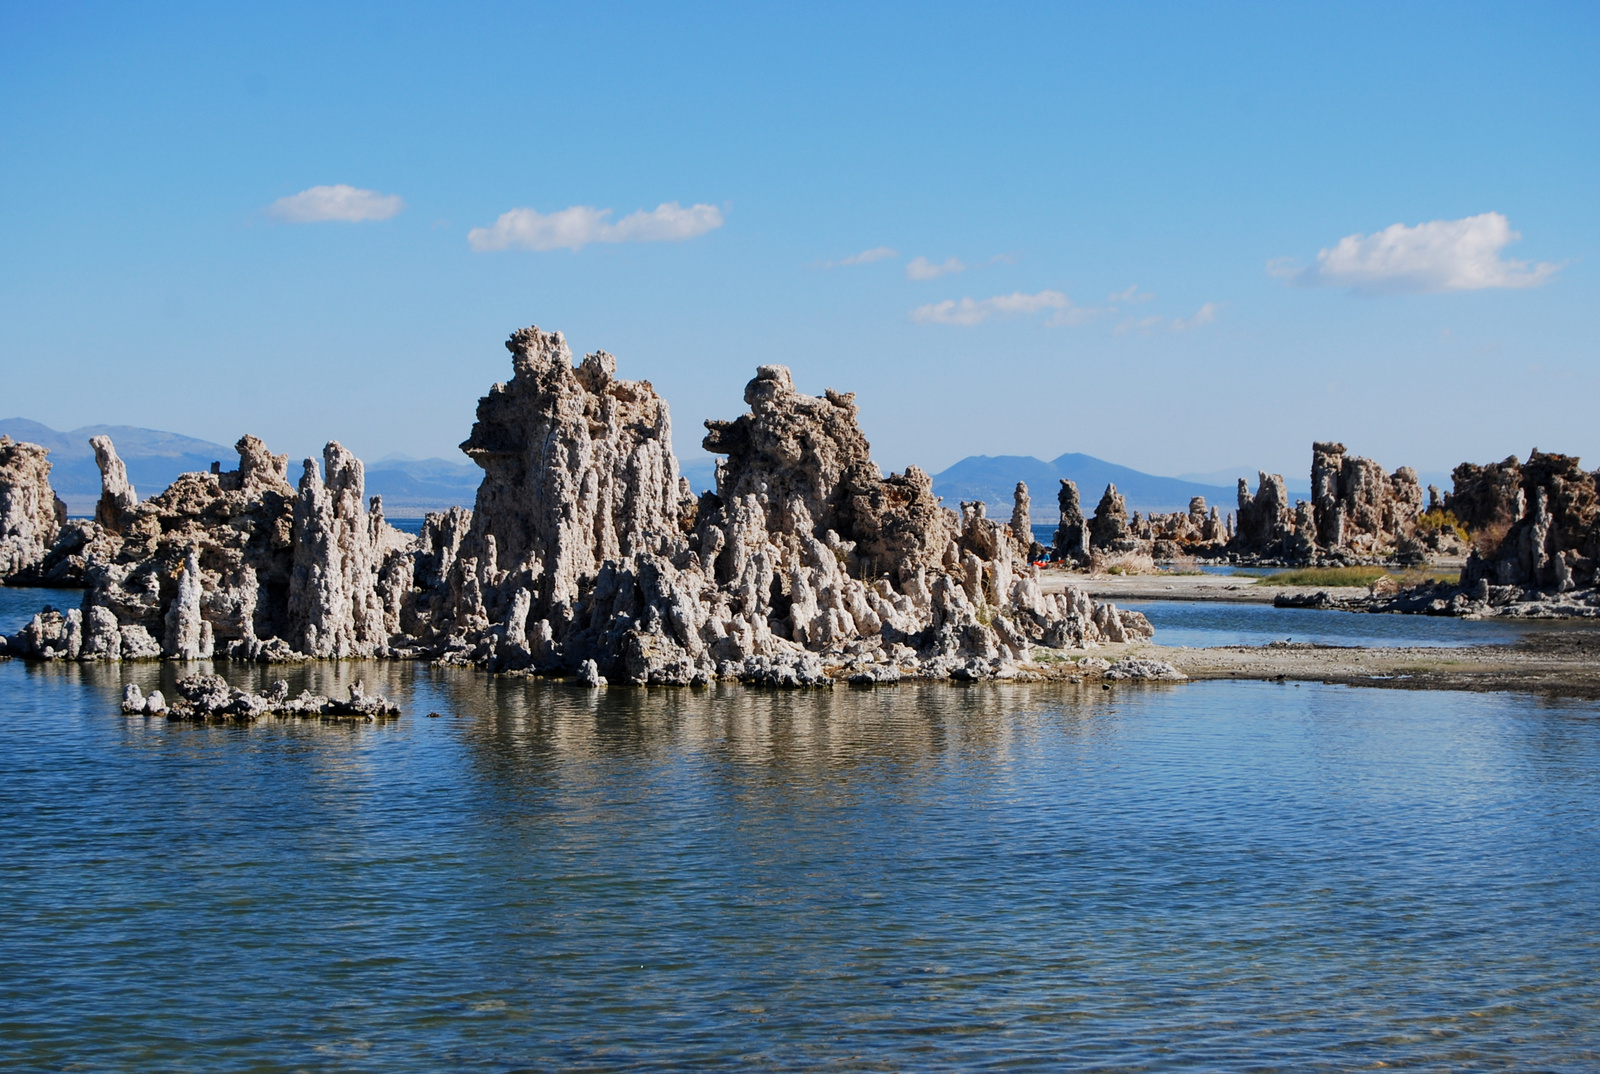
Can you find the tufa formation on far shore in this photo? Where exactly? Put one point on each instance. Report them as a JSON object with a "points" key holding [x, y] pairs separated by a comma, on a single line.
{"points": [[584, 553]]}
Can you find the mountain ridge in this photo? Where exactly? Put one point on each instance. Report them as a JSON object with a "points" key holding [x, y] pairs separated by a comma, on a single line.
{"points": [[409, 485]]}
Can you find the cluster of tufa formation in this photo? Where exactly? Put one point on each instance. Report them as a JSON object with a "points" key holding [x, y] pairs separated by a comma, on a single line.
{"points": [[1357, 514], [1536, 525], [204, 697], [584, 553], [1534, 532], [1196, 531]]}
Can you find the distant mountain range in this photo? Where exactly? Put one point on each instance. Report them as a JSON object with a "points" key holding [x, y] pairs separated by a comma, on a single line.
{"points": [[993, 478], [155, 459], [410, 486]]}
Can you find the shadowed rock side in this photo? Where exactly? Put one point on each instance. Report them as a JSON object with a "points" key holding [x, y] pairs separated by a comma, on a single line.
{"points": [[1535, 525], [1534, 529], [584, 553]]}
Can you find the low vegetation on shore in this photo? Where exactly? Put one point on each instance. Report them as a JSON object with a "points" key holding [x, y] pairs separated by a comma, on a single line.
{"points": [[1353, 576]]}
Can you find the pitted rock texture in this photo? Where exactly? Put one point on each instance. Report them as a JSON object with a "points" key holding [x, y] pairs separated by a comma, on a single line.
{"points": [[117, 494], [578, 469], [584, 554], [1360, 509], [1535, 525], [1073, 542], [805, 553], [1110, 522], [1264, 520], [30, 513], [202, 697]]}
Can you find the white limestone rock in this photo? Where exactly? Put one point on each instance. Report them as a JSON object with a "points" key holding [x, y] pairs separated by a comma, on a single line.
{"points": [[30, 513]]}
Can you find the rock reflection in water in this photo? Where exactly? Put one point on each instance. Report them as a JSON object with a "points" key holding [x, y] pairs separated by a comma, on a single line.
{"points": [[1223, 875]]}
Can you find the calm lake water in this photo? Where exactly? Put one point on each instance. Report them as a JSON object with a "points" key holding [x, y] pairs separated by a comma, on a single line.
{"points": [[1205, 623], [1227, 876]]}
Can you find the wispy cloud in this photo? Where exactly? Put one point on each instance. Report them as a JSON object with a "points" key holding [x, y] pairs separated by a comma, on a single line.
{"points": [[575, 227], [922, 269], [1437, 256], [865, 257], [1132, 296], [1138, 324], [975, 311], [1204, 315], [338, 202]]}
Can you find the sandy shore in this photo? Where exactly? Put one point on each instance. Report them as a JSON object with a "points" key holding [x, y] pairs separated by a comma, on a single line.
{"points": [[1234, 589], [1561, 662]]}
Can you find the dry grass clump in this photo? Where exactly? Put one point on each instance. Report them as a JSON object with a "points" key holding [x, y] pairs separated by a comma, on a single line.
{"points": [[1122, 563], [1325, 576], [1487, 541], [1379, 580]]}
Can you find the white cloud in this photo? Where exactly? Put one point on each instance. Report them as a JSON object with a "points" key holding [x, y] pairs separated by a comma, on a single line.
{"points": [[1204, 315], [1143, 324], [1131, 296], [865, 257], [579, 225], [922, 269], [338, 202], [970, 312], [1440, 255]]}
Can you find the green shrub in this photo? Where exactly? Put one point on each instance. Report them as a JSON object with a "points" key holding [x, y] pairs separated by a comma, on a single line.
{"points": [[1440, 519]]}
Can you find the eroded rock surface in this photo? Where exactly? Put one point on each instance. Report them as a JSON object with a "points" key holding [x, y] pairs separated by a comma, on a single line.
{"points": [[584, 553], [30, 513], [209, 697]]}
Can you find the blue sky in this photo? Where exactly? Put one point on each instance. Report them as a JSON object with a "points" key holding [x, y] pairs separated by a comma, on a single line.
{"points": [[1201, 155]]}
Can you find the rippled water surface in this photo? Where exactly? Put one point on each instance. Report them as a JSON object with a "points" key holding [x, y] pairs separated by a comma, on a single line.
{"points": [[1207, 623], [1228, 876]]}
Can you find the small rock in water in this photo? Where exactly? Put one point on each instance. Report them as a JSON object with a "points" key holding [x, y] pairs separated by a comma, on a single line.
{"points": [[202, 697]]}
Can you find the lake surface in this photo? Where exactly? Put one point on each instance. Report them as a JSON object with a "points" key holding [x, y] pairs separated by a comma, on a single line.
{"points": [[1228, 876], [1206, 623]]}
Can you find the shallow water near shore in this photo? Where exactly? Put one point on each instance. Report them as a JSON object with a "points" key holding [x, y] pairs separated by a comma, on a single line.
{"points": [[1222, 875], [1207, 623]]}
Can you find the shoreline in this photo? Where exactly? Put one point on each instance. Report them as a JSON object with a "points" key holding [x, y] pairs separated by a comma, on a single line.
{"points": [[1563, 662]]}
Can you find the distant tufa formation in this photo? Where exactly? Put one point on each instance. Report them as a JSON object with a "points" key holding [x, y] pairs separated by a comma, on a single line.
{"points": [[585, 552], [1358, 514], [1535, 546], [1536, 525]]}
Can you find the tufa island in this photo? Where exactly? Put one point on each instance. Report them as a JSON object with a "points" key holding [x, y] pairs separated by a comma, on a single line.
{"points": [[586, 554]]}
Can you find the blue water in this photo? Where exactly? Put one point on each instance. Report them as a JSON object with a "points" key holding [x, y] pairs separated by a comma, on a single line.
{"points": [[407, 525], [1207, 623], [1219, 876], [17, 606]]}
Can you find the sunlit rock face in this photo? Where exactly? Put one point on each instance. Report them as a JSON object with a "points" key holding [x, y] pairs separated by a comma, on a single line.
{"points": [[1358, 507], [584, 552], [578, 469], [30, 513]]}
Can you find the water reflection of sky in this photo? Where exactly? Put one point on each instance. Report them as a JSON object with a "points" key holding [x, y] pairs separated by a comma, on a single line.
{"points": [[1204, 623], [929, 877], [17, 606]]}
